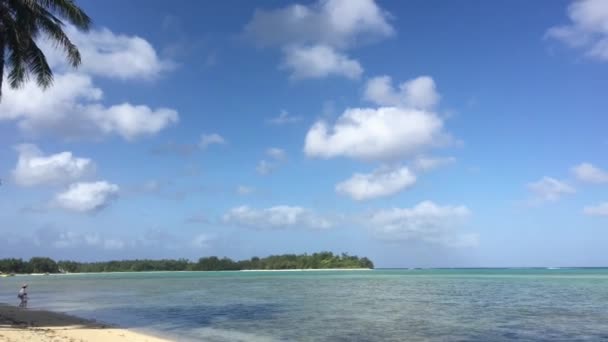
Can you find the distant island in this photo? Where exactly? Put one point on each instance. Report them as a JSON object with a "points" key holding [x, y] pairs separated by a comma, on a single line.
{"points": [[322, 260]]}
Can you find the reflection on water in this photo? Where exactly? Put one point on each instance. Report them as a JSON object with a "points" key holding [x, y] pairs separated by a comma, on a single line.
{"points": [[388, 305]]}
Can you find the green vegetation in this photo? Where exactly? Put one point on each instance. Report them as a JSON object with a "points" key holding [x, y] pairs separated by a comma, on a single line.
{"points": [[273, 262]]}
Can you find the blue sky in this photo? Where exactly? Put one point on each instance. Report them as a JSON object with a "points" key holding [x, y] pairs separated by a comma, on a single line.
{"points": [[419, 133]]}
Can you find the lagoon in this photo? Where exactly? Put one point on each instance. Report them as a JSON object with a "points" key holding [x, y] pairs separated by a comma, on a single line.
{"points": [[377, 305]]}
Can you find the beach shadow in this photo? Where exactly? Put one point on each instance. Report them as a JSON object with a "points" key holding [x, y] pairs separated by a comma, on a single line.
{"points": [[13, 317]]}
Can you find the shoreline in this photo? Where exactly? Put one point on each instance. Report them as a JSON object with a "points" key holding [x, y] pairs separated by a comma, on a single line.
{"points": [[20, 325], [310, 269], [261, 270]]}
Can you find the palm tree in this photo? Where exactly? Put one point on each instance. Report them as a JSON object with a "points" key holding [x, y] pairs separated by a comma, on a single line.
{"points": [[21, 23]]}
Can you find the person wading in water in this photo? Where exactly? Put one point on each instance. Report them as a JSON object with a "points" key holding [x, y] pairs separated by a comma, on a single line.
{"points": [[23, 296]]}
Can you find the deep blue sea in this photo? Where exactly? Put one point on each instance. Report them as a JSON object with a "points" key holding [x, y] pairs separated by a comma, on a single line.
{"points": [[378, 305]]}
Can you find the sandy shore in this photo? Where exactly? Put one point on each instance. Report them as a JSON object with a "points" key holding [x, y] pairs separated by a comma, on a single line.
{"points": [[17, 325]]}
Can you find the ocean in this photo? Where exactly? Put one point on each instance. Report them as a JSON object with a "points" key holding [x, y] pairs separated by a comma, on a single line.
{"points": [[377, 305]]}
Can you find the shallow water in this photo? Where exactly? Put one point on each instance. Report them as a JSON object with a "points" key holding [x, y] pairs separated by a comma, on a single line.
{"points": [[379, 305]]}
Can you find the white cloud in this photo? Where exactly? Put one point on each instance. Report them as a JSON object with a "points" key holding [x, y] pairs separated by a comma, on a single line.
{"points": [[211, 139], [276, 153], [34, 168], [419, 93], [72, 109], [139, 244], [381, 182], [588, 29], [67, 239], [244, 190], [112, 244], [549, 189], [87, 197], [314, 37], [110, 55], [338, 23], [278, 217], [404, 126], [202, 241], [284, 118], [586, 172], [32, 103], [430, 163], [131, 121], [64, 239], [425, 222], [264, 167], [386, 133], [319, 61], [597, 210]]}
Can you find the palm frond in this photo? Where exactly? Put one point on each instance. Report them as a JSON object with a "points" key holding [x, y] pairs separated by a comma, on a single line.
{"points": [[68, 9], [37, 65], [18, 73], [2, 49], [21, 24], [13, 44], [52, 27]]}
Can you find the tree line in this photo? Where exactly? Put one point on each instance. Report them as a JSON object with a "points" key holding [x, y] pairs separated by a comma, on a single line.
{"points": [[322, 260]]}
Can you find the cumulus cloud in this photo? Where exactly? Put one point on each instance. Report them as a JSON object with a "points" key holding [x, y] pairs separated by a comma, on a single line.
{"points": [[87, 197], [314, 37], [597, 210], [339, 23], [319, 61], [588, 29], [73, 108], [211, 139], [403, 127], [549, 189], [35, 168], [426, 222], [382, 182], [586, 172], [131, 121], [107, 54], [419, 92], [277, 217], [284, 118], [385, 133]]}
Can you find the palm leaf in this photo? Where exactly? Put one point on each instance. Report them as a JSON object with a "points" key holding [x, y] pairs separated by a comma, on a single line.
{"points": [[37, 65], [2, 49], [65, 8], [21, 24]]}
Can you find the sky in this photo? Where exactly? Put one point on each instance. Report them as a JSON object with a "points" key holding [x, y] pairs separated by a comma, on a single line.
{"points": [[417, 133]]}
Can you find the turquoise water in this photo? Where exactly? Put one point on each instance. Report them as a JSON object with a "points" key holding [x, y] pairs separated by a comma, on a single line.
{"points": [[379, 305]]}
